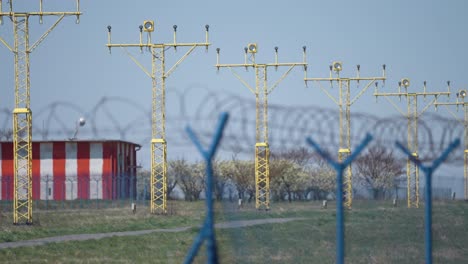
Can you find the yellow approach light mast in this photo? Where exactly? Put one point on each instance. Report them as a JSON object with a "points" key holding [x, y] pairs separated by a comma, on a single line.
{"points": [[261, 91], [412, 115], [158, 75], [22, 115], [461, 94], [344, 102]]}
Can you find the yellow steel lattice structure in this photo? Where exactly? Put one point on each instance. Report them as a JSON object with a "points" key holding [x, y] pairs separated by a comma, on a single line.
{"points": [[22, 115], [262, 150], [158, 75], [461, 102], [22, 126], [261, 91], [412, 114], [344, 102], [412, 169], [158, 143]]}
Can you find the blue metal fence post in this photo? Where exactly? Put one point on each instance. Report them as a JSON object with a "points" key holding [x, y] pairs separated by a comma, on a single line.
{"points": [[207, 232], [339, 167], [428, 171]]}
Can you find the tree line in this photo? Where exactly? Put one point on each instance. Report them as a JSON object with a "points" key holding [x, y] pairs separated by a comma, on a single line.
{"points": [[294, 175]]}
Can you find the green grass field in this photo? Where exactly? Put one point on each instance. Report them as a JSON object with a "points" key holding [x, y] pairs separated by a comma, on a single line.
{"points": [[375, 233]]}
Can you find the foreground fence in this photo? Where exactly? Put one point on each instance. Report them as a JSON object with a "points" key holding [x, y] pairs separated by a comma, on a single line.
{"points": [[123, 191]]}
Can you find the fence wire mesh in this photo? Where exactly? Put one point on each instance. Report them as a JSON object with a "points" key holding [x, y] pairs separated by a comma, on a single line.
{"points": [[109, 220]]}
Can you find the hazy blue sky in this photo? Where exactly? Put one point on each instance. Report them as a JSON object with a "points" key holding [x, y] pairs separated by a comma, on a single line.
{"points": [[421, 40]]}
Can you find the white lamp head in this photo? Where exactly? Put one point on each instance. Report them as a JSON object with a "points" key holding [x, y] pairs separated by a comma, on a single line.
{"points": [[252, 48], [148, 25], [405, 82], [337, 66], [82, 121]]}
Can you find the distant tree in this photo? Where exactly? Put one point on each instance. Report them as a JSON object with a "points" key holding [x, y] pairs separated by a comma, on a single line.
{"points": [[301, 156], [282, 177], [303, 185], [377, 169], [143, 183], [291, 170], [243, 177], [297, 173], [295, 181], [198, 177], [323, 179], [222, 172], [177, 169], [190, 178], [171, 184]]}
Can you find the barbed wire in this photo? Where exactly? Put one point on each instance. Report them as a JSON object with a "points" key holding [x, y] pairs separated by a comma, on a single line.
{"points": [[288, 125]]}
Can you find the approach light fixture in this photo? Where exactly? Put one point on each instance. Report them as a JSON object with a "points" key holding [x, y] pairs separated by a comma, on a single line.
{"points": [[252, 48], [337, 66], [461, 94], [405, 82], [148, 25], [81, 121]]}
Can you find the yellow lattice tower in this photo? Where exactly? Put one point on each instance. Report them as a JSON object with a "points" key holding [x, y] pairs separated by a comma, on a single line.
{"points": [[461, 94], [261, 91], [158, 75], [22, 115], [412, 114], [344, 103]]}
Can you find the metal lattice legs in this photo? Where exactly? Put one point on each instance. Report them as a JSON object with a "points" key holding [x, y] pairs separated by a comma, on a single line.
{"points": [[22, 116], [347, 179], [412, 175], [262, 176], [22, 204], [158, 177], [22, 126], [412, 170]]}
